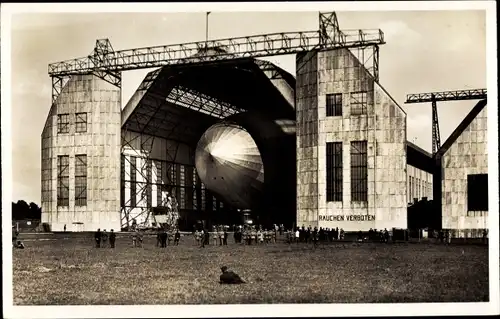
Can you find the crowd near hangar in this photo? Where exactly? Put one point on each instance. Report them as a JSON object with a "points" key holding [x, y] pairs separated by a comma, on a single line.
{"points": [[107, 168]]}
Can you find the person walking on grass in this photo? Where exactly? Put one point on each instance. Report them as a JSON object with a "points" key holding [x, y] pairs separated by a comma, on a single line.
{"points": [[112, 238]]}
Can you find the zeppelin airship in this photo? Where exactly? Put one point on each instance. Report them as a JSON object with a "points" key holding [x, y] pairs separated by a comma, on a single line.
{"points": [[248, 160]]}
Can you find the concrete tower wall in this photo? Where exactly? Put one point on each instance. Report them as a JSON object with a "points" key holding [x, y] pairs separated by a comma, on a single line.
{"points": [[306, 109], [84, 125], [419, 184], [468, 155], [390, 166], [382, 124]]}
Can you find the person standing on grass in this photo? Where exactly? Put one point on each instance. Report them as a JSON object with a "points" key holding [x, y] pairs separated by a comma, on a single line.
{"points": [[386, 236], [197, 237], [164, 238], [140, 238], [158, 238], [314, 237], [104, 238], [235, 235], [202, 238], [224, 240], [485, 236], [97, 237], [134, 239], [206, 237], [177, 237], [112, 238], [220, 234]]}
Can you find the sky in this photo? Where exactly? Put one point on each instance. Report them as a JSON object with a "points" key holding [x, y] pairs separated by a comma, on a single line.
{"points": [[425, 51]]}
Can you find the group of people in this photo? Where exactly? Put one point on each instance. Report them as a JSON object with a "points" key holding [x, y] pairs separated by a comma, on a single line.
{"points": [[257, 235], [375, 235], [163, 237], [219, 236], [101, 238], [314, 235], [247, 235]]}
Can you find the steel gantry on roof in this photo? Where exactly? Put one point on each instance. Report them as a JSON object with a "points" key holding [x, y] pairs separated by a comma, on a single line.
{"points": [[106, 63]]}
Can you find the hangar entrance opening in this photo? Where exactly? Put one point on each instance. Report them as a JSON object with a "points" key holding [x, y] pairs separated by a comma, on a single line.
{"points": [[163, 123]]}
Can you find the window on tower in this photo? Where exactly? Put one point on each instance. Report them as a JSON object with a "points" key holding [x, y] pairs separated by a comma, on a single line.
{"points": [[62, 123], [81, 122], [81, 180], [63, 180], [359, 171], [334, 104], [334, 172], [477, 192], [359, 103]]}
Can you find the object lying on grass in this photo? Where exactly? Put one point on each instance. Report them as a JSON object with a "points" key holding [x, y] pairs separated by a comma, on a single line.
{"points": [[229, 277], [19, 245]]}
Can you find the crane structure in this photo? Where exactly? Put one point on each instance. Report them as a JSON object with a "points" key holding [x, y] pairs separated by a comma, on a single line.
{"points": [[434, 97], [108, 64]]}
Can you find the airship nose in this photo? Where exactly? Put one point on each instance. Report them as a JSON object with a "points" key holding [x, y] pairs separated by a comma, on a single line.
{"points": [[229, 163]]}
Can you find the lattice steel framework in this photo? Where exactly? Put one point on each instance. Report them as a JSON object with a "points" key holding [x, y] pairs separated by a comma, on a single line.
{"points": [[150, 119], [107, 64], [433, 97]]}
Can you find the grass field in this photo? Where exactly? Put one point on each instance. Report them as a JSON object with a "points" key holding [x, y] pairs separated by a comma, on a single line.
{"points": [[72, 272]]}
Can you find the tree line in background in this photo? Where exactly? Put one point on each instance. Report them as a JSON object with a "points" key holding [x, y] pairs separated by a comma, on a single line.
{"points": [[23, 210]]}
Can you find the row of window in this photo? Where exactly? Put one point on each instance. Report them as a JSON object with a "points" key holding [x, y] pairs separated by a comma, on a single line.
{"points": [[359, 171], [80, 180], [418, 188], [64, 122], [358, 103]]}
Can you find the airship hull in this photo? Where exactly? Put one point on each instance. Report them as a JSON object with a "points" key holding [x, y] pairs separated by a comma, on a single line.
{"points": [[248, 160]]}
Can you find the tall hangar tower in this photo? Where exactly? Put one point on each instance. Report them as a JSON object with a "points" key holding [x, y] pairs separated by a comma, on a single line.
{"points": [[107, 168]]}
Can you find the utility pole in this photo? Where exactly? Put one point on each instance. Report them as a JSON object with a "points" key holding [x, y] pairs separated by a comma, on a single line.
{"points": [[206, 28]]}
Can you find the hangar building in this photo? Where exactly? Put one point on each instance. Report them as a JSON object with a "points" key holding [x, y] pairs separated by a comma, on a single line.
{"points": [[104, 167]]}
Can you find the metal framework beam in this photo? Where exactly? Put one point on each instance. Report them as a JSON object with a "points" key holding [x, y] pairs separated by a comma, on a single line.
{"points": [[460, 95], [434, 97], [329, 37]]}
